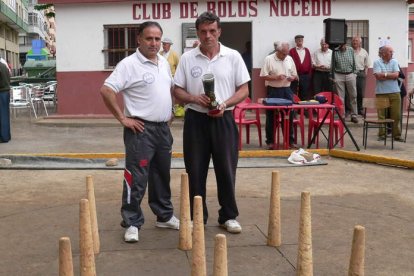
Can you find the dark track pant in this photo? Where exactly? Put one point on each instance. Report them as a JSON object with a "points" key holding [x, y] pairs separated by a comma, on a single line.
{"points": [[206, 137], [147, 160]]}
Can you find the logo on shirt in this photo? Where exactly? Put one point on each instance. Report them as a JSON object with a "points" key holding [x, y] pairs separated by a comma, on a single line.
{"points": [[196, 71], [148, 78]]}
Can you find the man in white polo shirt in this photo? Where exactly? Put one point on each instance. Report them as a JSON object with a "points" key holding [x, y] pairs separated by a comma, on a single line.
{"points": [[207, 135], [145, 81], [279, 71]]}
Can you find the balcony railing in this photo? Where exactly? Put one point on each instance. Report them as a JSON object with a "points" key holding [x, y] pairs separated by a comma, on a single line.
{"points": [[15, 22]]}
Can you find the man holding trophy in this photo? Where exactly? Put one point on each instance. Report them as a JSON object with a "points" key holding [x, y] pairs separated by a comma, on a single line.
{"points": [[211, 79]]}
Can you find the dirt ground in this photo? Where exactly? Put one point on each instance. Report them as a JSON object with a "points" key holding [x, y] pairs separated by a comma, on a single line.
{"points": [[37, 207]]}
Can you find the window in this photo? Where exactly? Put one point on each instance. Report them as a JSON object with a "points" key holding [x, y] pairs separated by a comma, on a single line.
{"points": [[120, 42], [189, 35], [9, 35], [12, 5], [33, 19], [358, 28]]}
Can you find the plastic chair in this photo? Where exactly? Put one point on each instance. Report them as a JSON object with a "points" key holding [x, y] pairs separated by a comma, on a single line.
{"points": [[378, 104], [20, 99], [247, 122], [50, 93], [337, 124], [37, 93]]}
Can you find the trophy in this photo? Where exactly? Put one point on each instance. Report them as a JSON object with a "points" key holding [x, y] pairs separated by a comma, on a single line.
{"points": [[208, 85]]}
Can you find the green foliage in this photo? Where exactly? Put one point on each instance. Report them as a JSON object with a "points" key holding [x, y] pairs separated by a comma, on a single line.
{"points": [[41, 7]]}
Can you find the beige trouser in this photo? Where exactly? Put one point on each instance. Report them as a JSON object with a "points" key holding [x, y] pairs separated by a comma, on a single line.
{"points": [[394, 113], [347, 84]]}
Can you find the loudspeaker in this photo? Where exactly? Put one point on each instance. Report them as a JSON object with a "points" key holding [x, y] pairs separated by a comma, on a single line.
{"points": [[335, 31]]}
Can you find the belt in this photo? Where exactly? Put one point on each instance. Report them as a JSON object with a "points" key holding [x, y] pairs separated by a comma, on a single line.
{"points": [[149, 122], [322, 71], [344, 73], [205, 113]]}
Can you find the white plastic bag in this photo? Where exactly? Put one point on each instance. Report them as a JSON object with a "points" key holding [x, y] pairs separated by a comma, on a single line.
{"points": [[302, 157]]}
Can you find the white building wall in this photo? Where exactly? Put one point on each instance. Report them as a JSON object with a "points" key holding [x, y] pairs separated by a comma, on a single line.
{"points": [[80, 38]]}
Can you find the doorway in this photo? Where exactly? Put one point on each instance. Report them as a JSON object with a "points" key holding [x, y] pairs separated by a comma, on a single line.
{"points": [[234, 35]]}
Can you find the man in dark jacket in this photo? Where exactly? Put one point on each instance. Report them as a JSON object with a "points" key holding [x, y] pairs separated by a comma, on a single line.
{"points": [[4, 103]]}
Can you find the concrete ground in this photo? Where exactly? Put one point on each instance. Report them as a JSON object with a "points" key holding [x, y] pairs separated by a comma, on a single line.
{"points": [[37, 207]]}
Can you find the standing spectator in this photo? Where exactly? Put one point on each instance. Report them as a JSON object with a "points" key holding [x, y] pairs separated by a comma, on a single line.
{"points": [[403, 91], [345, 77], [4, 103], [386, 74], [173, 59], [274, 47], [279, 71], [362, 63], [145, 81], [321, 61], [171, 56], [303, 62], [2, 60], [207, 135]]}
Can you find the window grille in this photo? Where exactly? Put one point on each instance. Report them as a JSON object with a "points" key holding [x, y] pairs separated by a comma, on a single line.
{"points": [[358, 28], [120, 42]]}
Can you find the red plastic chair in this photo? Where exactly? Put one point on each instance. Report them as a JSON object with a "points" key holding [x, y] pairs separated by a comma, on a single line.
{"points": [[247, 122], [337, 124]]}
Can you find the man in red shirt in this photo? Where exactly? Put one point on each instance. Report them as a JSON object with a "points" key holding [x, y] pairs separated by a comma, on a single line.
{"points": [[303, 62]]}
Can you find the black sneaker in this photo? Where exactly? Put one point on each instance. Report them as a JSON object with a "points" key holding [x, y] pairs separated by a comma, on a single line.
{"points": [[354, 119]]}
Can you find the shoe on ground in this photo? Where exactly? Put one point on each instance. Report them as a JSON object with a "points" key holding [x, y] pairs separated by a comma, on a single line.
{"points": [[354, 119], [270, 146], [399, 139], [173, 223], [131, 234], [381, 138], [232, 226]]}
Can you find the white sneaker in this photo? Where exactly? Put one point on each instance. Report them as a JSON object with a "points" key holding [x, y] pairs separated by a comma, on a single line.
{"points": [[232, 226], [173, 223], [131, 234]]}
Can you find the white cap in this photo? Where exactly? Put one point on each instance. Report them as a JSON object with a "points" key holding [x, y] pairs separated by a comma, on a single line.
{"points": [[167, 40]]}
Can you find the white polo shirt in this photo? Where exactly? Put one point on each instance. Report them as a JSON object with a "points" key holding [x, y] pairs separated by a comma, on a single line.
{"points": [[322, 58], [146, 87], [275, 66], [362, 60], [227, 66]]}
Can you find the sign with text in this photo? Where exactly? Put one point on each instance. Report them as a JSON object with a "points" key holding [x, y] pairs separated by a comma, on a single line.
{"points": [[231, 9]]}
